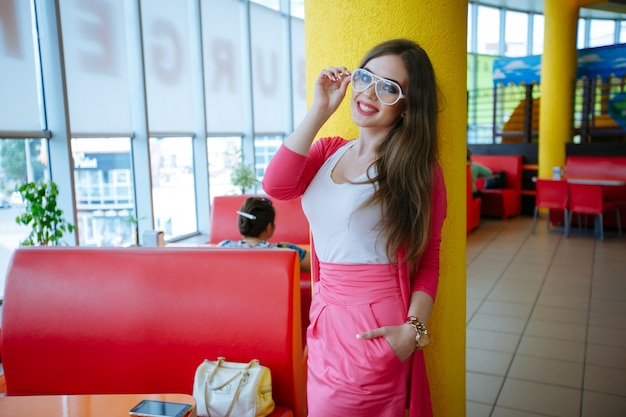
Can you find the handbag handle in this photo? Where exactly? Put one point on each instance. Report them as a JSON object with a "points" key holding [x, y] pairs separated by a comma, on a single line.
{"points": [[244, 378]]}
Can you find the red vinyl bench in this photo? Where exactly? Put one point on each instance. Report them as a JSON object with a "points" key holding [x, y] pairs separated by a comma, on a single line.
{"points": [[140, 320], [501, 202], [291, 226]]}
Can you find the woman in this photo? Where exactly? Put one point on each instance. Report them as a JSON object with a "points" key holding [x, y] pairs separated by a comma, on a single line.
{"points": [[256, 222], [376, 206]]}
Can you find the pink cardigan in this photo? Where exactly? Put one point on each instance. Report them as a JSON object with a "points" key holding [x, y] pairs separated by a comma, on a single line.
{"points": [[288, 176]]}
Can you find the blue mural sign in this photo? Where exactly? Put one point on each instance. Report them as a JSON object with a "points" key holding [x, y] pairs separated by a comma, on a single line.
{"points": [[603, 61], [522, 70]]}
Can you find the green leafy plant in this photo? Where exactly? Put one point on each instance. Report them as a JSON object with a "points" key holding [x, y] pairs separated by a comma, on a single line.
{"points": [[42, 215], [243, 176], [134, 221]]}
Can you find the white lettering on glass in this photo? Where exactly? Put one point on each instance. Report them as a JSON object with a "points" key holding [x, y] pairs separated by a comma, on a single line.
{"points": [[300, 76], [96, 29], [223, 52], [166, 50], [265, 72], [83, 162], [10, 40]]}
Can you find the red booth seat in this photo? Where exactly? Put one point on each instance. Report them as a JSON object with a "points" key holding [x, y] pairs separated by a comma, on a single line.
{"points": [[291, 226], [140, 320], [501, 202], [602, 167]]}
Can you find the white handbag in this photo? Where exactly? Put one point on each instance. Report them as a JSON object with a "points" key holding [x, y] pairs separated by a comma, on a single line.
{"points": [[222, 389]]}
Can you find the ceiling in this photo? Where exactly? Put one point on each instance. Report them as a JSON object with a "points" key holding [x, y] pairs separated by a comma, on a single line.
{"points": [[608, 9]]}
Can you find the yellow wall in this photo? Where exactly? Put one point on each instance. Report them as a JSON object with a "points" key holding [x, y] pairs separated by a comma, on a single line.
{"points": [[340, 33]]}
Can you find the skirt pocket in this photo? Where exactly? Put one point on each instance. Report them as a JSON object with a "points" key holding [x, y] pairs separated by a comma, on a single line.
{"points": [[380, 314]]}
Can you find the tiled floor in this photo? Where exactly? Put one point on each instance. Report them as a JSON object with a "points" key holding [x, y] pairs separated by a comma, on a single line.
{"points": [[546, 322]]}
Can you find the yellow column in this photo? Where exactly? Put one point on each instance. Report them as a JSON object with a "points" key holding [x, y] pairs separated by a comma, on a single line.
{"points": [[558, 75], [340, 33]]}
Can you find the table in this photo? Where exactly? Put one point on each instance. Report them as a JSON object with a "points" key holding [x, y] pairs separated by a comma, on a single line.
{"points": [[598, 181], [103, 405]]}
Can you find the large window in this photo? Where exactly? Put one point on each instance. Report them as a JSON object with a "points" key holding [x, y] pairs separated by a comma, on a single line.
{"points": [[581, 34], [516, 34], [21, 160], [601, 32], [105, 197], [264, 149], [296, 6], [470, 27], [20, 82], [224, 154], [173, 186], [488, 31], [538, 34]]}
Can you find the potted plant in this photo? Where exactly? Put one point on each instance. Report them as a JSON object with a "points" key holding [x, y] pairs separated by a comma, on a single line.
{"points": [[243, 176], [42, 215], [134, 221]]}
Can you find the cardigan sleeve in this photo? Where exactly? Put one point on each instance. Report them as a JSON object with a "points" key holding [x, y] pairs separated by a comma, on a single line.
{"points": [[289, 174], [427, 277]]}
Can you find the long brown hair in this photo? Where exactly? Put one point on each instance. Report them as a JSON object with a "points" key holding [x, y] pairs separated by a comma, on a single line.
{"points": [[406, 159]]}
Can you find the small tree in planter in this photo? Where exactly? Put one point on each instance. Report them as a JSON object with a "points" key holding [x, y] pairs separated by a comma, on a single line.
{"points": [[243, 176], [42, 215]]}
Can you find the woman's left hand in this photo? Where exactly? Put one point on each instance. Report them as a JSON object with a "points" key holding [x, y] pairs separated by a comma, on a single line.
{"points": [[400, 338]]}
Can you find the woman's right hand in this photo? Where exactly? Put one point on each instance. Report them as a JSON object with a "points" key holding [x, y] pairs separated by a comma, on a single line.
{"points": [[330, 88]]}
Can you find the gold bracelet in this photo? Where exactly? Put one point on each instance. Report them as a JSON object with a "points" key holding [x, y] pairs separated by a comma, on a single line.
{"points": [[421, 336]]}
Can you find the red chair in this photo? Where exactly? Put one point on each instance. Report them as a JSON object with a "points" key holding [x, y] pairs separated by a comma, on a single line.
{"points": [[588, 199], [553, 195], [617, 195]]}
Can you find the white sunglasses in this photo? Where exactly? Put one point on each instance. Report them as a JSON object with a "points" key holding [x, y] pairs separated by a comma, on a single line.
{"points": [[388, 92]]}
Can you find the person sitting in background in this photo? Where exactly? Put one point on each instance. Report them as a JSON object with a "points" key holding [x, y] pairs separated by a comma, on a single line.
{"points": [[478, 171], [256, 221]]}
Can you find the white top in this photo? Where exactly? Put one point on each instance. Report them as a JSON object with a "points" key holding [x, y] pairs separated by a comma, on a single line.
{"points": [[343, 232]]}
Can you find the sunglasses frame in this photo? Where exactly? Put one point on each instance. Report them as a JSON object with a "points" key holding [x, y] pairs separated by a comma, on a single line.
{"points": [[375, 80]]}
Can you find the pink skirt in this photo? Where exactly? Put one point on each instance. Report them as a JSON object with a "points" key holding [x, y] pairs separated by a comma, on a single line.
{"points": [[349, 376]]}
